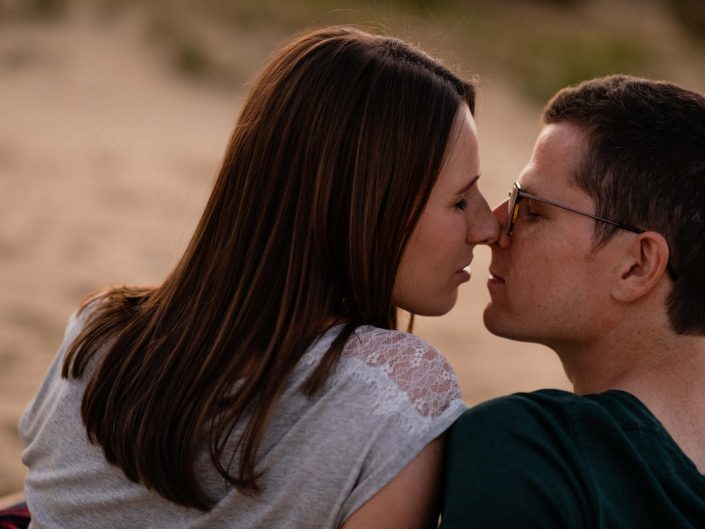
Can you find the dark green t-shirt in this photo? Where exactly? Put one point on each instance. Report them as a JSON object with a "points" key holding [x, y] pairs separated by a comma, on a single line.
{"points": [[552, 459]]}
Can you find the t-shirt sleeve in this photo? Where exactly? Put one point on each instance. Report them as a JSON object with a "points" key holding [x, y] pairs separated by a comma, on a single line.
{"points": [[511, 463], [27, 424], [412, 398]]}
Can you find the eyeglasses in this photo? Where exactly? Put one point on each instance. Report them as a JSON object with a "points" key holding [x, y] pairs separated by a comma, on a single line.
{"points": [[517, 194]]}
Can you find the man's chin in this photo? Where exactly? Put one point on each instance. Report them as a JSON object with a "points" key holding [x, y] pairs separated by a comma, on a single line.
{"points": [[510, 326], [502, 324], [492, 320]]}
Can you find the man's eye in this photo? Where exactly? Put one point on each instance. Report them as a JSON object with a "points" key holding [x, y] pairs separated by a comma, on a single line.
{"points": [[462, 204], [531, 210], [527, 211]]}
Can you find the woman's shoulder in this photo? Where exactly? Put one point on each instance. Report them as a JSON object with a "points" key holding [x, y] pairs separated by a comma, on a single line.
{"points": [[403, 364], [86, 310], [115, 303], [369, 334], [391, 348]]}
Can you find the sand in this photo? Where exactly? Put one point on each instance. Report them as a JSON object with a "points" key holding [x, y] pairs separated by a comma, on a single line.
{"points": [[106, 159]]}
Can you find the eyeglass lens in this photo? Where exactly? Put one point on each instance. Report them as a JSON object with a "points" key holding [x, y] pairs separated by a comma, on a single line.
{"points": [[513, 210]]}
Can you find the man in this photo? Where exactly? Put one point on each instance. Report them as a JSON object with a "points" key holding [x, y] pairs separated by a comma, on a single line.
{"points": [[603, 260]]}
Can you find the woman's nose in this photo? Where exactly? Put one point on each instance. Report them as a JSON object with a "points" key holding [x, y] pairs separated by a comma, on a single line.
{"points": [[483, 227]]}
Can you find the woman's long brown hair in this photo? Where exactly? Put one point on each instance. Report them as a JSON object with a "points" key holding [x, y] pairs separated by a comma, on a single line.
{"points": [[328, 169]]}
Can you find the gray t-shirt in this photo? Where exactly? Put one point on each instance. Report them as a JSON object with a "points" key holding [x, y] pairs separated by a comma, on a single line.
{"points": [[321, 459]]}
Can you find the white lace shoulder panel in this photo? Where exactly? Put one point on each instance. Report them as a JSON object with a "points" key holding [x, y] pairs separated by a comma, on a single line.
{"points": [[413, 366]]}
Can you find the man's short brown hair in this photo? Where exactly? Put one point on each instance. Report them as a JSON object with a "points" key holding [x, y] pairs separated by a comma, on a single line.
{"points": [[645, 166]]}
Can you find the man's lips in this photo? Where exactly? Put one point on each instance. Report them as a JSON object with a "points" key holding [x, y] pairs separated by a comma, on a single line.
{"points": [[495, 277]]}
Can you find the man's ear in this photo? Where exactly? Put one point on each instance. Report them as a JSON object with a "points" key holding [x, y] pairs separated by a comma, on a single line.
{"points": [[645, 264]]}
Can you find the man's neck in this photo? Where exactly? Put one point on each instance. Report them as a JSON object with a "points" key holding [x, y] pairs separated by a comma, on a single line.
{"points": [[664, 370], [645, 359]]}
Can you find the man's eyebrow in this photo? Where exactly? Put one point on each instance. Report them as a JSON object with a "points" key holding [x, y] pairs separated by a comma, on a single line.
{"points": [[469, 184], [529, 188]]}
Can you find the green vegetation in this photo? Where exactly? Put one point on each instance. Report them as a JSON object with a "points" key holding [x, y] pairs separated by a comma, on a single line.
{"points": [[191, 58], [538, 45], [691, 15], [549, 62]]}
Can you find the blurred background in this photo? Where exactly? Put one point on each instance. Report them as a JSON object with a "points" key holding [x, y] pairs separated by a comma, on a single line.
{"points": [[114, 116]]}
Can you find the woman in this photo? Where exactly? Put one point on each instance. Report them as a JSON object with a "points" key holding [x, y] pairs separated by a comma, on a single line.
{"points": [[263, 383]]}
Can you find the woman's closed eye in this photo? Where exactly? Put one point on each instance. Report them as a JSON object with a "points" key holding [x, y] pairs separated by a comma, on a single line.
{"points": [[462, 201]]}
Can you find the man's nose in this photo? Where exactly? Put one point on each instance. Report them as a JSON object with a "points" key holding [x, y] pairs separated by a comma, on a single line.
{"points": [[502, 216]]}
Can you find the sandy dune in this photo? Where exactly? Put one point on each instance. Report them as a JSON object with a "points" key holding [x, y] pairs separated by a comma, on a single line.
{"points": [[106, 159]]}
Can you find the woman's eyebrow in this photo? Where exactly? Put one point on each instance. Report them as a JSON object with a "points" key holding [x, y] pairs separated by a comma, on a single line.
{"points": [[469, 184]]}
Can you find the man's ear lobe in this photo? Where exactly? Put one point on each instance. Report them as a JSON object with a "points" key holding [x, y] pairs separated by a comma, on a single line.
{"points": [[646, 259]]}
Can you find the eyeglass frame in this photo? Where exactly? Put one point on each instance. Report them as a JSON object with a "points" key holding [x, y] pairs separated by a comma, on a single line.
{"points": [[517, 194]]}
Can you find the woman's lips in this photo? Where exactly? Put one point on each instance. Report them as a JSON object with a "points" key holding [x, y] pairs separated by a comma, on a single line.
{"points": [[463, 274]]}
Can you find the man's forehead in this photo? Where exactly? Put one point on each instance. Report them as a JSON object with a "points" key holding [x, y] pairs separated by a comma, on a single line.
{"points": [[558, 152], [562, 139]]}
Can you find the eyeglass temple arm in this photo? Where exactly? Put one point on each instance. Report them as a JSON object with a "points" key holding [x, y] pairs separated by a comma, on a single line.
{"points": [[523, 194]]}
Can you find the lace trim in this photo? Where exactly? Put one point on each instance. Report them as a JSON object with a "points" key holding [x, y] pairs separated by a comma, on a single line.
{"points": [[401, 369]]}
